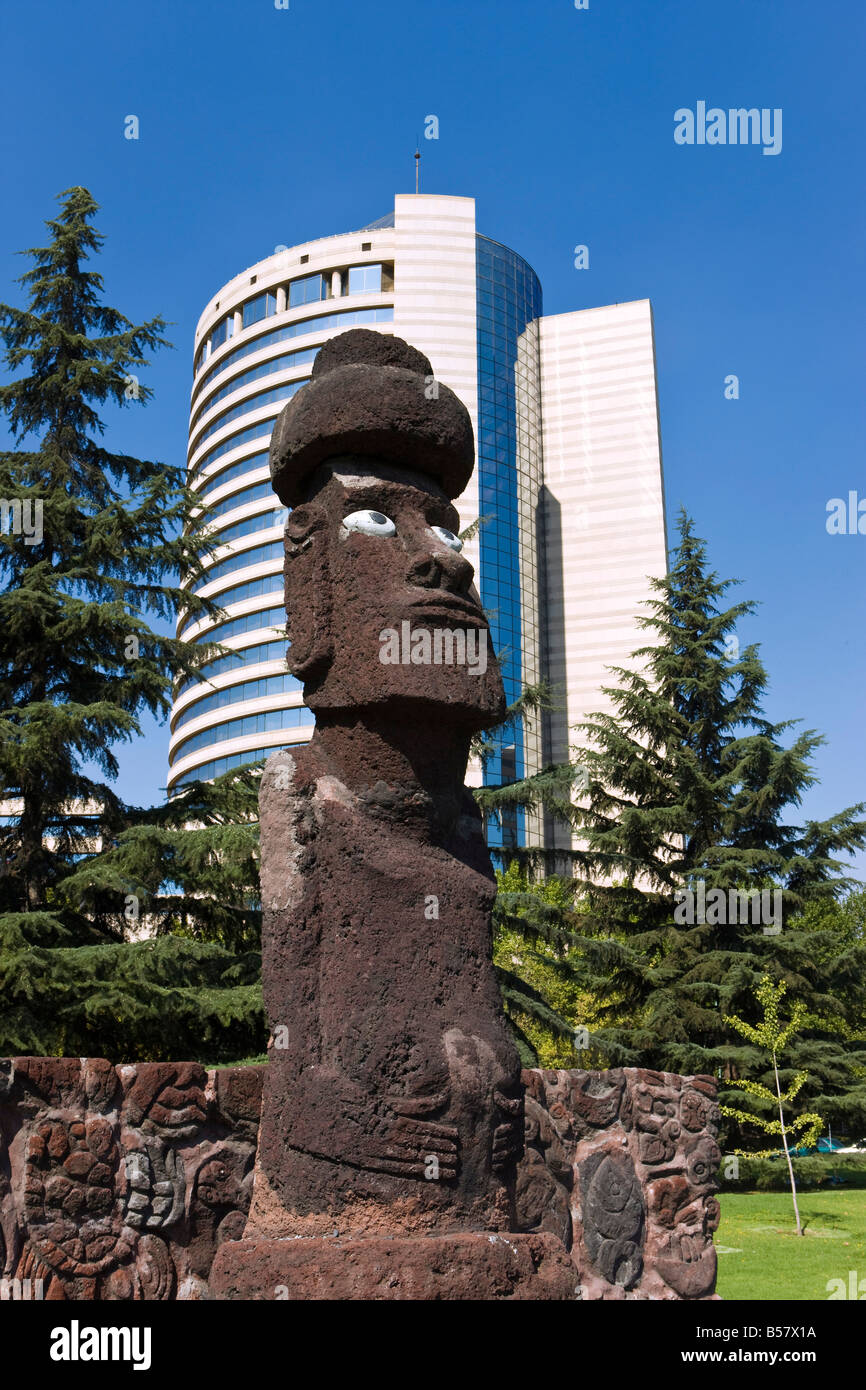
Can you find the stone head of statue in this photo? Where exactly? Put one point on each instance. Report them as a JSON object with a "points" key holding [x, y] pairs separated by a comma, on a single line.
{"points": [[382, 610]]}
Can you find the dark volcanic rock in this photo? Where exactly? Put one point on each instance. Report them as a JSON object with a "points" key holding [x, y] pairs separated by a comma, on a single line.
{"points": [[94, 1207], [372, 395], [393, 1102]]}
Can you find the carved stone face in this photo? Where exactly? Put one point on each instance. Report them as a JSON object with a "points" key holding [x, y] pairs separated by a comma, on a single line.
{"points": [[381, 606]]}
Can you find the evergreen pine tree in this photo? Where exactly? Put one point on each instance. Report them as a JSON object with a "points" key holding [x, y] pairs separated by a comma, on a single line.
{"points": [[93, 544], [541, 970], [535, 922], [685, 788], [188, 868]]}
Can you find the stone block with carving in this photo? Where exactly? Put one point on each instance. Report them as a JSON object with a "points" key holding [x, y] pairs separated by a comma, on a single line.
{"points": [[107, 1197], [121, 1182], [622, 1164]]}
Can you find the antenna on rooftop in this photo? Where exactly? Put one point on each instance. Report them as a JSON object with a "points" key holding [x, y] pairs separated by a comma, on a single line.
{"points": [[417, 171]]}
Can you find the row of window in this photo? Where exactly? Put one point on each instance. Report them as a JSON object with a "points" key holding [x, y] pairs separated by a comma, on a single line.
{"points": [[257, 555], [258, 308], [493, 308], [264, 521], [255, 493], [253, 588], [305, 291], [500, 393], [498, 415], [234, 470], [223, 331], [500, 375], [246, 724], [365, 279], [279, 394], [261, 430], [501, 436], [520, 280], [488, 353], [245, 656], [345, 318], [274, 364], [487, 336], [206, 771], [499, 475], [246, 622], [497, 487], [504, 568], [237, 694], [309, 289], [489, 568], [503, 537], [503, 612], [502, 319]]}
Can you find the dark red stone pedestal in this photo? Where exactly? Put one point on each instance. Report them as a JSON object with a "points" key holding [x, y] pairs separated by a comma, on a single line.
{"points": [[474, 1266]]}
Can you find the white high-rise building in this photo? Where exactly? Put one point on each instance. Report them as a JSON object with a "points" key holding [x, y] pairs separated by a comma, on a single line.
{"points": [[568, 481]]}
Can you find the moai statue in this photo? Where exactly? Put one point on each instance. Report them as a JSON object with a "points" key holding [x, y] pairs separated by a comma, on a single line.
{"points": [[392, 1118]]}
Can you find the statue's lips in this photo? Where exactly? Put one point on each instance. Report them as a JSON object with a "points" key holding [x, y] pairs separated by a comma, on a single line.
{"points": [[450, 608]]}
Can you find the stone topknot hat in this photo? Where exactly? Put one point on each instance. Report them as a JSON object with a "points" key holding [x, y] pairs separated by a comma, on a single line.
{"points": [[370, 395]]}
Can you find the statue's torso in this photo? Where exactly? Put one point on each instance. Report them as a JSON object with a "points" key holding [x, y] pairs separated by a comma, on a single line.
{"points": [[397, 1072]]}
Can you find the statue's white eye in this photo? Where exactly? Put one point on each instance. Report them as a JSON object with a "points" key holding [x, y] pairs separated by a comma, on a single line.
{"points": [[448, 537], [370, 523]]}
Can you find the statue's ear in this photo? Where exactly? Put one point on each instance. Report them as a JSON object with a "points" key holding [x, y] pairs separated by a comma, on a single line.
{"points": [[308, 592]]}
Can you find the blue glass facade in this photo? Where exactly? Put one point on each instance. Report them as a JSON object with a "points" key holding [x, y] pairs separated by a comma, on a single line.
{"points": [[257, 493], [262, 723], [253, 588], [257, 555], [262, 430], [262, 521], [508, 300], [232, 471], [274, 364], [256, 402], [238, 694], [246, 622], [244, 656], [217, 766]]}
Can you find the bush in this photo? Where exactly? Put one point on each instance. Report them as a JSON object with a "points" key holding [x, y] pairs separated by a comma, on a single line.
{"points": [[817, 1171]]}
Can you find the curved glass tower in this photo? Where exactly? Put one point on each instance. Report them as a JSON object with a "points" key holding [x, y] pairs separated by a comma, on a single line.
{"points": [[565, 418], [255, 345], [509, 482]]}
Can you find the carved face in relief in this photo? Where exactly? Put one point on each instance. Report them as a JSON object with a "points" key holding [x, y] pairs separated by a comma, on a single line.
{"points": [[381, 606]]}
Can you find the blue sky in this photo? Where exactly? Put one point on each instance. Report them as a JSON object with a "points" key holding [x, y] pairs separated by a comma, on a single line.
{"points": [[261, 126]]}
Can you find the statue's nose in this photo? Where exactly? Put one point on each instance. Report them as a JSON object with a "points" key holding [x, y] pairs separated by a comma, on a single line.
{"points": [[441, 568]]}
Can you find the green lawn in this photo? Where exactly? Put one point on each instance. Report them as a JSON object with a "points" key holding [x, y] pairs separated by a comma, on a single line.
{"points": [[244, 1062], [761, 1257]]}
